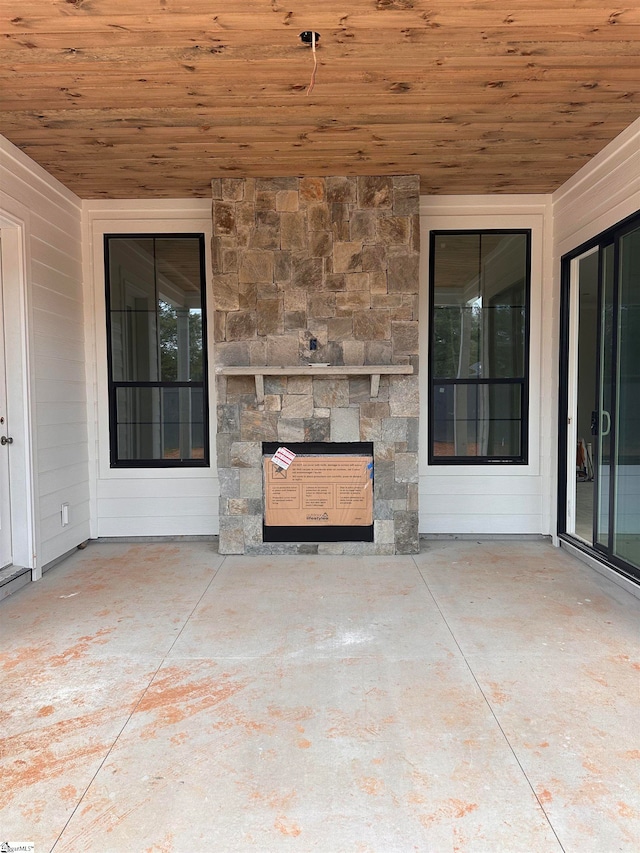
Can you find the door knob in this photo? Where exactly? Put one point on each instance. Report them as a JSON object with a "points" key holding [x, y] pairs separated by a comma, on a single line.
{"points": [[6, 439]]}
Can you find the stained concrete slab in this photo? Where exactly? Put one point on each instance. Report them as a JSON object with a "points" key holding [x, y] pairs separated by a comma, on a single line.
{"points": [[478, 697]]}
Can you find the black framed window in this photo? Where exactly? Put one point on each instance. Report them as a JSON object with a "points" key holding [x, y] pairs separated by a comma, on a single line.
{"points": [[156, 347], [479, 297]]}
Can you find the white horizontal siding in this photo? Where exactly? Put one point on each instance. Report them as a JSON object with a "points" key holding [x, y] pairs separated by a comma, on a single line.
{"points": [[158, 525], [30, 185], [54, 326], [64, 345], [473, 524], [55, 308], [60, 390], [479, 484], [57, 280], [74, 434], [50, 504], [168, 507], [144, 506], [56, 414], [54, 263], [53, 231], [601, 194], [62, 456], [501, 505], [48, 368], [473, 503], [68, 477], [143, 488], [58, 540]]}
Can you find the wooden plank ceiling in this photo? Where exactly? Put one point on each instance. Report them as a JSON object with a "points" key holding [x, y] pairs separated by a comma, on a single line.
{"points": [[122, 99]]}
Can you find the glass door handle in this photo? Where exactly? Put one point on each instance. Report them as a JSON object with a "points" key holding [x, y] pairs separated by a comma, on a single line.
{"points": [[607, 430]]}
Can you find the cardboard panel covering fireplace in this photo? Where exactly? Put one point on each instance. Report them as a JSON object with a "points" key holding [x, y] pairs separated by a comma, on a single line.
{"points": [[325, 495]]}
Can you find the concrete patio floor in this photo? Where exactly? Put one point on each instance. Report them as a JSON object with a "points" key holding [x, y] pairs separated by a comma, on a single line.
{"points": [[482, 696]]}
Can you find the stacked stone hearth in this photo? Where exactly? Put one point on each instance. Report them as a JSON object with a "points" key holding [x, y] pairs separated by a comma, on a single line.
{"points": [[331, 263]]}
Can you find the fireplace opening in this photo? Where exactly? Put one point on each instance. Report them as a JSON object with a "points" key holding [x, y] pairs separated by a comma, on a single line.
{"points": [[326, 495]]}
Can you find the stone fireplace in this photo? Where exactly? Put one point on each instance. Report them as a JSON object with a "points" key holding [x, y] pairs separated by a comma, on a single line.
{"points": [[315, 293]]}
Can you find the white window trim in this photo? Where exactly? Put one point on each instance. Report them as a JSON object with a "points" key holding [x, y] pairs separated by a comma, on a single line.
{"points": [[435, 218], [153, 217]]}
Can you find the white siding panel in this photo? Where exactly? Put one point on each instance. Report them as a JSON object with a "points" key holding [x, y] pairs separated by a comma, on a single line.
{"points": [[52, 523], [57, 258], [62, 456], [60, 414], [474, 505], [73, 434], [50, 368], [57, 232], [60, 390], [58, 540], [62, 344], [57, 280], [143, 506], [491, 504], [68, 477], [63, 231], [42, 195], [51, 218], [51, 504], [169, 506], [601, 194], [55, 326], [169, 525], [481, 525], [143, 488], [27, 183], [483, 485], [60, 306]]}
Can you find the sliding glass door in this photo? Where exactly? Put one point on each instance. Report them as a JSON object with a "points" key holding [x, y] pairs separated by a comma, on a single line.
{"points": [[600, 476], [605, 391], [626, 504]]}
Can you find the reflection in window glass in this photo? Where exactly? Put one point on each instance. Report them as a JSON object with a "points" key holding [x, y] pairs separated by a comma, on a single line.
{"points": [[479, 311], [160, 423], [477, 420], [132, 282], [180, 338], [478, 361], [134, 349], [157, 348], [627, 416]]}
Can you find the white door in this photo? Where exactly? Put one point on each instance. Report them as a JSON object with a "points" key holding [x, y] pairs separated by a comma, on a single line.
{"points": [[5, 449]]}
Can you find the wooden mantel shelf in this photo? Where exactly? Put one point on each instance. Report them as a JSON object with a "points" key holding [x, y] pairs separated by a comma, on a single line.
{"points": [[373, 370]]}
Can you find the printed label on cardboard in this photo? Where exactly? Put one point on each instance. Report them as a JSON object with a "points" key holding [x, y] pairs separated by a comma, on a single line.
{"points": [[283, 457], [319, 491]]}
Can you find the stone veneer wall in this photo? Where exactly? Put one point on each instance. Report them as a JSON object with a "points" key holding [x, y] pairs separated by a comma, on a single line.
{"points": [[335, 259]]}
